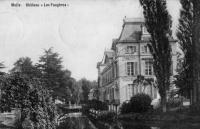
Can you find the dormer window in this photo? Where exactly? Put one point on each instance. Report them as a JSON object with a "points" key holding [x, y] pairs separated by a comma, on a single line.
{"points": [[130, 49]]}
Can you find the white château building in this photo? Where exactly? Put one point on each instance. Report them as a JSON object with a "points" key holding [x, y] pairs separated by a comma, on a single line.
{"points": [[128, 57]]}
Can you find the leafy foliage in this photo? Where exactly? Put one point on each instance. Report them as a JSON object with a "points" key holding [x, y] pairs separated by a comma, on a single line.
{"points": [[50, 65], [174, 102], [85, 86], [108, 116], [125, 108], [31, 98], [158, 23], [25, 66], [188, 38], [55, 78], [184, 34], [138, 104]]}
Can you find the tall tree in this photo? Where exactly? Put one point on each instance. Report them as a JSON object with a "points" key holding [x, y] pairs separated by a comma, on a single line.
{"points": [[184, 35], [56, 79], [196, 51], [51, 67], [188, 37], [158, 23]]}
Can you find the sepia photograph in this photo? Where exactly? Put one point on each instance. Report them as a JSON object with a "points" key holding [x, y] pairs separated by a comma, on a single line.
{"points": [[99, 64]]}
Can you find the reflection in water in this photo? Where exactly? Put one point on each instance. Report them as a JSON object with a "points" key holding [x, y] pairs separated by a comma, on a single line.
{"points": [[78, 121], [137, 126], [155, 128], [120, 125], [75, 121]]}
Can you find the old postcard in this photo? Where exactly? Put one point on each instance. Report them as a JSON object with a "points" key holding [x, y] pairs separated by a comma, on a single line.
{"points": [[99, 64]]}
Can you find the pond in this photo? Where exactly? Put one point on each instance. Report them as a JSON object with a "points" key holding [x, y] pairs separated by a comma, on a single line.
{"points": [[79, 121]]}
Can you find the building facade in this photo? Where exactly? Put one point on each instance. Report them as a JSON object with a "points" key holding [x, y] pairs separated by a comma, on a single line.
{"points": [[128, 57]]}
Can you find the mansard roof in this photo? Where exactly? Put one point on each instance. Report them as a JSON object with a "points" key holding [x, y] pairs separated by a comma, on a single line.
{"points": [[131, 30]]}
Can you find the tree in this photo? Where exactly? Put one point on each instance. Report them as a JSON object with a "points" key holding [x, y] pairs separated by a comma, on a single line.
{"points": [[50, 65], [188, 38], [196, 51], [158, 23], [25, 66], [33, 100], [56, 79], [86, 85], [184, 35]]}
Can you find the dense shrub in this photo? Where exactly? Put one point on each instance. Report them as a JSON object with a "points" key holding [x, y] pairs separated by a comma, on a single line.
{"points": [[94, 104], [174, 102], [31, 98], [97, 105], [108, 116], [125, 108], [138, 104]]}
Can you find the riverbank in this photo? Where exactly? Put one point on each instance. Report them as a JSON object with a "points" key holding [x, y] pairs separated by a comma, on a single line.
{"points": [[121, 124], [152, 116], [172, 117]]}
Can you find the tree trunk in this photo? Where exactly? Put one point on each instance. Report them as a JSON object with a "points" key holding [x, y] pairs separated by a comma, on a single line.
{"points": [[163, 95], [163, 102]]}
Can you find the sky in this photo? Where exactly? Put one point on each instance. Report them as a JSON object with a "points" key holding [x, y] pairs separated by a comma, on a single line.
{"points": [[79, 32]]}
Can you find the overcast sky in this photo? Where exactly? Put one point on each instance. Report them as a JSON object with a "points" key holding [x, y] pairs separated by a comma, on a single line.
{"points": [[79, 33]]}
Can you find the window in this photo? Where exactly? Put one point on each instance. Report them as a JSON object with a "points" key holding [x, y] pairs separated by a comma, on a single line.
{"points": [[131, 68], [148, 67], [131, 49], [145, 49]]}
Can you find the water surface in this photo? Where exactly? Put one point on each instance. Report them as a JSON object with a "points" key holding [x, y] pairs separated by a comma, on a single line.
{"points": [[79, 121]]}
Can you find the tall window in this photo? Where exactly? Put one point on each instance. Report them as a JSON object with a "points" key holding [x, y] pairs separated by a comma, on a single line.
{"points": [[148, 67], [131, 49], [131, 68], [145, 49]]}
